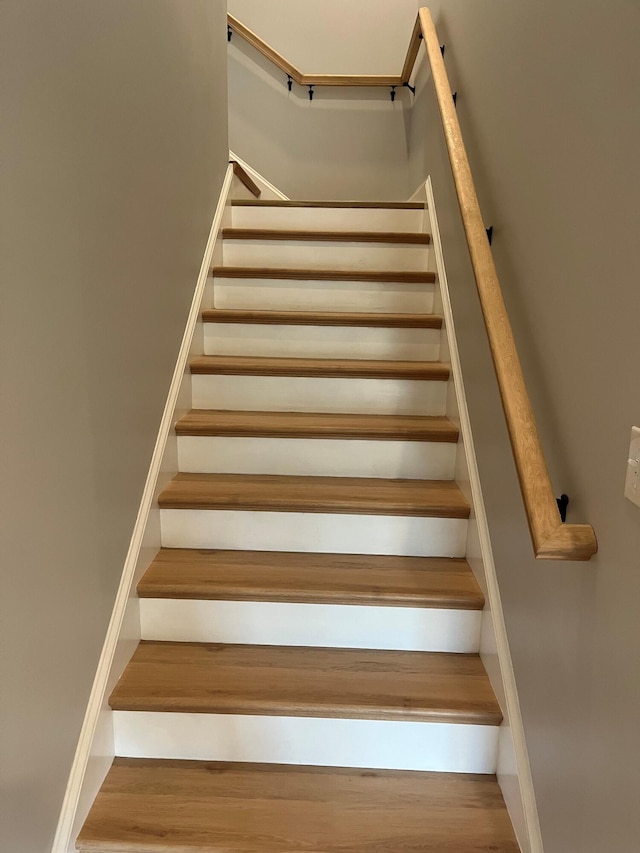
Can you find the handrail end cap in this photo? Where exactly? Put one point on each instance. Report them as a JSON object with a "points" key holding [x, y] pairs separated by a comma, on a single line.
{"points": [[569, 542]]}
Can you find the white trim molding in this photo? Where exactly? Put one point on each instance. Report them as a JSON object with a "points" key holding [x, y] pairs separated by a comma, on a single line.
{"points": [[95, 750], [514, 770]]}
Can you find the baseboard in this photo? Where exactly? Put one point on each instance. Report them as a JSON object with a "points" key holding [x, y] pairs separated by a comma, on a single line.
{"points": [[514, 771], [267, 189], [95, 750]]}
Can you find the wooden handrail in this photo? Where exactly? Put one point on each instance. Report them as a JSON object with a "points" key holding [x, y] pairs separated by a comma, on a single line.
{"points": [[246, 179], [265, 49], [412, 52], [552, 540], [318, 79]]}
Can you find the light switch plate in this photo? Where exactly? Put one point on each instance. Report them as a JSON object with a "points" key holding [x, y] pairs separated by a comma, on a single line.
{"points": [[632, 482]]}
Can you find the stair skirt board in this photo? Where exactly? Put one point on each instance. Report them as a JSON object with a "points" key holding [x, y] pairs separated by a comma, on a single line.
{"points": [[310, 394], [321, 625], [328, 457], [315, 254], [321, 341], [327, 218], [291, 295], [380, 744], [326, 533]]}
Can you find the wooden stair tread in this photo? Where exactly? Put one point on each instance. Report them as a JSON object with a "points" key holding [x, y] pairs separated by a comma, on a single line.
{"points": [[341, 236], [389, 276], [322, 318], [366, 205], [211, 422], [346, 495], [296, 681], [183, 573], [161, 806], [236, 365]]}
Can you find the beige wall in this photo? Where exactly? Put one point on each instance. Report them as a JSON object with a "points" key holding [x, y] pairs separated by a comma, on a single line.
{"points": [[334, 36], [355, 138], [113, 149], [547, 98]]}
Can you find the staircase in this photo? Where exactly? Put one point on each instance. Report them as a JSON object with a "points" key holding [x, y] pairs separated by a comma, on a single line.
{"points": [[309, 676]]}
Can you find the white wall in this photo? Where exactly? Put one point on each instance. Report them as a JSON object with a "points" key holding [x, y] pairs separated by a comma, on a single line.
{"points": [[546, 102], [347, 143], [113, 150]]}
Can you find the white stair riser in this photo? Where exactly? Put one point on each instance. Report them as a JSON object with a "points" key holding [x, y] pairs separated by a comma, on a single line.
{"points": [[321, 341], [320, 255], [381, 744], [326, 533], [322, 457], [328, 219], [321, 625], [293, 295], [311, 394]]}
